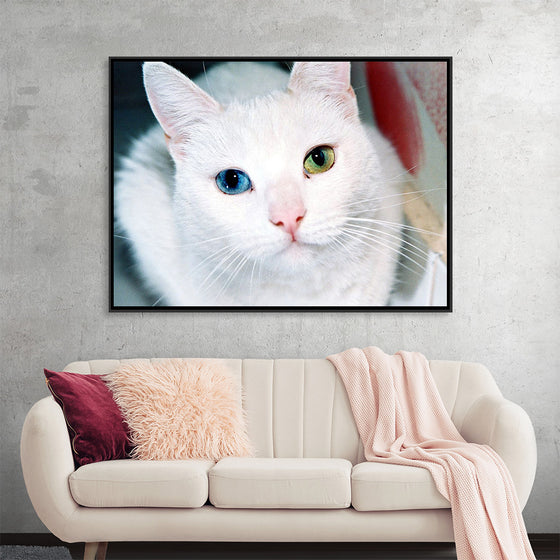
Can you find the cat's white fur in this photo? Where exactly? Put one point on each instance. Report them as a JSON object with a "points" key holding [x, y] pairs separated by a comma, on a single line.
{"points": [[196, 246]]}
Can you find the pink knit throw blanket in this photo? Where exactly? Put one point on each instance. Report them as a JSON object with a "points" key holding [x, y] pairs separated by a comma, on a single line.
{"points": [[401, 420]]}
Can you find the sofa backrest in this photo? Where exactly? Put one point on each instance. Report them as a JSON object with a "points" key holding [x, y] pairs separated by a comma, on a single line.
{"points": [[299, 407]]}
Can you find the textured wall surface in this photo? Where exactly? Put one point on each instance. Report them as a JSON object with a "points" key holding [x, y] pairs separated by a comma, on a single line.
{"points": [[54, 211]]}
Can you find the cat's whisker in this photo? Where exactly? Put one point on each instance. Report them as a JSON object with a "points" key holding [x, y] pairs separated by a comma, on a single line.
{"points": [[365, 242], [368, 235], [233, 275], [337, 242], [399, 175], [413, 236], [417, 250], [374, 208], [386, 242], [398, 225], [402, 203], [407, 171], [233, 252], [380, 241], [212, 256], [359, 204], [237, 264], [233, 262], [261, 261], [396, 260], [204, 241], [157, 301], [251, 282], [209, 88], [359, 87], [396, 195]]}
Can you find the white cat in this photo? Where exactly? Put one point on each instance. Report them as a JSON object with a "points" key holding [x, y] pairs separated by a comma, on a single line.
{"points": [[275, 193]]}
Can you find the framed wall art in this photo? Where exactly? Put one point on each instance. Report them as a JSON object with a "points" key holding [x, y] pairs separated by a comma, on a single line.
{"points": [[259, 184]]}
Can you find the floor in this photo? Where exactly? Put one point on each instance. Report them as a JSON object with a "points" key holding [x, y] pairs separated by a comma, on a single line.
{"points": [[545, 549]]}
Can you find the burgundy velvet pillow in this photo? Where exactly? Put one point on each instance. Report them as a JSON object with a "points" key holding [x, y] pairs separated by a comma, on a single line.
{"points": [[97, 429]]}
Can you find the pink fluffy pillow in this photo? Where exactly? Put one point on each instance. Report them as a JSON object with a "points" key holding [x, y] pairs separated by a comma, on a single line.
{"points": [[181, 409]]}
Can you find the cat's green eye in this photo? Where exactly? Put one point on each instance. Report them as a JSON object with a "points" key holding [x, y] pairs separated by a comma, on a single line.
{"points": [[319, 160]]}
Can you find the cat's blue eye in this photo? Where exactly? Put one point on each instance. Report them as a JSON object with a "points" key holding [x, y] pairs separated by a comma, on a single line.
{"points": [[233, 181]]}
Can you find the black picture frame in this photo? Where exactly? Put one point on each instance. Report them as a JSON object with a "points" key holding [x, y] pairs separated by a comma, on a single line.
{"points": [[125, 83]]}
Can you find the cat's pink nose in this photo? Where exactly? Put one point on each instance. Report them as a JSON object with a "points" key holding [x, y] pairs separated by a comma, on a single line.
{"points": [[288, 220]]}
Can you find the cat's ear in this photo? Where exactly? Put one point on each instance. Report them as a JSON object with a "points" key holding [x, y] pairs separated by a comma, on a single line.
{"points": [[176, 101], [331, 79]]}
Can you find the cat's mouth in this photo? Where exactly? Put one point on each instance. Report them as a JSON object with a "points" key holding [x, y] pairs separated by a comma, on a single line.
{"points": [[296, 250], [300, 245], [295, 245], [287, 250]]}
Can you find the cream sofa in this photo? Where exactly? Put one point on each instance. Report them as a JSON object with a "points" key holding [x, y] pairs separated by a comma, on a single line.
{"points": [[308, 482]]}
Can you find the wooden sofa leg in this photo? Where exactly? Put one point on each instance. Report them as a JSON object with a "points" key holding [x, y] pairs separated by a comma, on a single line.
{"points": [[90, 551], [102, 551], [95, 551]]}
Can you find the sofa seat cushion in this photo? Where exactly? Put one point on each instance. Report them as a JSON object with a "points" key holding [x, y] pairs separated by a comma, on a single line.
{"points": [[280, 483], [382, 487], [136, 483]]}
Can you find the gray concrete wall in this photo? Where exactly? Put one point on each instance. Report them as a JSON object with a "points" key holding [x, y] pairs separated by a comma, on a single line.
{"points": [[54, 211]]}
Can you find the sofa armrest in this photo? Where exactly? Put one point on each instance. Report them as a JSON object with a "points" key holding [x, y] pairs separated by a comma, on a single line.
{"points": [[506, 427], [47, 461]]}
